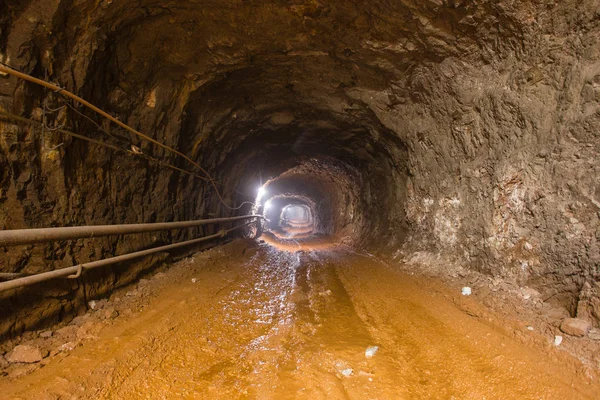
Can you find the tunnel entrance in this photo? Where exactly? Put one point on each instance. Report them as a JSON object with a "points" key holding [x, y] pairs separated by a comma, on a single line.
{"points": [[288, 214], [323, 196], [296, 216]]}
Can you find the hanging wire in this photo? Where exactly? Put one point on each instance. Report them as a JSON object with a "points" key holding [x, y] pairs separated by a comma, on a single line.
{"points": [[99, 143], [18, 118], [45, 110], [134, 149], [59, 90], [71, 107]]}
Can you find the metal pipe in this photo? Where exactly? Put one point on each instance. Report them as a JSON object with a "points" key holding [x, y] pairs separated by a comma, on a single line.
{"points": [[70, 271], [39, 235]]}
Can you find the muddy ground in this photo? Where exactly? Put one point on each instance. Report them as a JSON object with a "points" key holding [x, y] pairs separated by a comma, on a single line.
{"points": [[249, 320]]}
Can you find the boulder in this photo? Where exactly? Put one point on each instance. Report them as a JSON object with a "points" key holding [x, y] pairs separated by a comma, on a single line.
{"points": [[24, 354], [594, 334], [100, 304], [80, 320], [575, 327], [110, 313]]}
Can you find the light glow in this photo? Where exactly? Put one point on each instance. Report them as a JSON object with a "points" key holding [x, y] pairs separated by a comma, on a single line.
{"points": [[267, 205], [261, 192]]}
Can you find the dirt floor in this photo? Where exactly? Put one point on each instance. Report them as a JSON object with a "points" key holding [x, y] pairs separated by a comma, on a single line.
{"points": [[250, 320]]}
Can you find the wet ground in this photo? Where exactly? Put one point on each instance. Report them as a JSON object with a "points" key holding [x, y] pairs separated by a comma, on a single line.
{"points": [[258, 322]]}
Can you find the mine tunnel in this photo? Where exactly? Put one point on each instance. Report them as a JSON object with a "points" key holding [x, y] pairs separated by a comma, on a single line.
{"points": [[299, 199]]}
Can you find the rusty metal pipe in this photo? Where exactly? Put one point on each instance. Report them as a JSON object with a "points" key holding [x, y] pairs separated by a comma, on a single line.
{"points": [[77, 269], [16, 237]]}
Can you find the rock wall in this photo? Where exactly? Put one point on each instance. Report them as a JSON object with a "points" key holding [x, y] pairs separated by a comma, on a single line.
{"points": [[504, 158], [472, 127]]}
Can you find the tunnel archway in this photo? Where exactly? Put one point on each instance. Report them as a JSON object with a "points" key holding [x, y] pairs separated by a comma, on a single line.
{"points": [[414, 114], [456, 135]]}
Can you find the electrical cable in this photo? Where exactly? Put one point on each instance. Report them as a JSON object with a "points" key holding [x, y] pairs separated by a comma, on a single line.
{"points": [[109, 146], [66, 101], [102, 144], [90, 120], [58, 89]]}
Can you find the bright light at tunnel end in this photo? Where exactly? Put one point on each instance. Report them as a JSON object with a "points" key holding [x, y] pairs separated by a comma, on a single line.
{"points": [[267, 205]]}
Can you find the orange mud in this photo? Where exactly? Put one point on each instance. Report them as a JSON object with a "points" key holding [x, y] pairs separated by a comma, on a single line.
{"points": [[264, 323]]}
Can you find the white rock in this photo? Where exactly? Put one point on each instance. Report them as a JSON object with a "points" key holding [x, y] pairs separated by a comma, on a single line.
{"points": [[466, 291], [344, 368], [193, 280], [558, 340], [371, 350], [67, 346]]}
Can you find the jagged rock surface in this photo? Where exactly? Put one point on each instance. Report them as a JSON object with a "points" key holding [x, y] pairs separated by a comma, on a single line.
{"points": [[467, 130]]}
